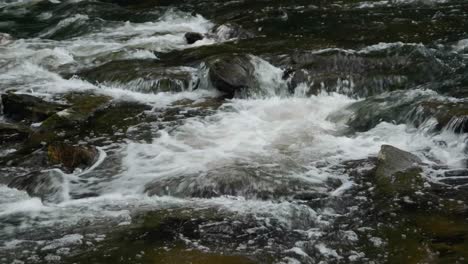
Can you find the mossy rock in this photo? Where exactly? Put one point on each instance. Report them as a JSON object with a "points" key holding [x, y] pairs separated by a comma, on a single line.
{"points": [[67, 123], [398, 172], [117, 117], [71, 157]]}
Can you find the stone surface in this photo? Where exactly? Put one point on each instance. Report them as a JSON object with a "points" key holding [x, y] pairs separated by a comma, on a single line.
{"points": [[231, 74], [398, 171]]}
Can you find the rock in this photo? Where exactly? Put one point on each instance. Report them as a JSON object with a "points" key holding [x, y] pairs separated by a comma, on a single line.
{"points": [[27, 107], [117, 117], [192, 37], [229, 180], [5, 39], [13, 132], [366, 73], [231, 74], [67, 123], [71, 157], [232, 31], [398, 171], [145, 76], [449, 115], [47, 185]]}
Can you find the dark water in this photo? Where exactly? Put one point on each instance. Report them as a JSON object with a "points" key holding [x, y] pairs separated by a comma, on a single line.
{"points": [[281, 172]]}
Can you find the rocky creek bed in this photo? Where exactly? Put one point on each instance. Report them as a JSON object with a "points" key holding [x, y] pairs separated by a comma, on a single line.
{"points": [[192, 131]]}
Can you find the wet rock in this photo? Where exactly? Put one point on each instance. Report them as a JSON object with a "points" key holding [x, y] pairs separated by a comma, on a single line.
{"points": [[449, 115], [72, 157], [231, 74], [118, 121], [368, 71], [230, 180], [13, 132], [144, 76], [27, 107], [192, 37], [398, 171], [5, 39], [47, 185], [402, 107], [232, 31], [155, 235], [67, 123]]}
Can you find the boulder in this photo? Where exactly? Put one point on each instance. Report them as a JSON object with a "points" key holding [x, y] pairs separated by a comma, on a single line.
{"points": [[231, 74], [47, 185], [398, 171], [192, 37], [71, 157], [20, 107]]}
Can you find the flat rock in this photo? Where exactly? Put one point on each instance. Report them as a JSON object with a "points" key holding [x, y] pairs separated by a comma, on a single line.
{"points": [[20, 107]]}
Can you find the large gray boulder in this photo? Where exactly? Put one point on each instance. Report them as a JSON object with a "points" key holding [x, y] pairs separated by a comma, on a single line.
{"points": [[398, 171], [231, 74]]}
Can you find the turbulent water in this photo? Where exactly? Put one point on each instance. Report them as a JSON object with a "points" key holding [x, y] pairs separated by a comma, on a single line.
{"points": [[274, 175]]}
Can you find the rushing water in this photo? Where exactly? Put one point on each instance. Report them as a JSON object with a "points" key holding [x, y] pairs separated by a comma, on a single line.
{"points": [[252, 158]]}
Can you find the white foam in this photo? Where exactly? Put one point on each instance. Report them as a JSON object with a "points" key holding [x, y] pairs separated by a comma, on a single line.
{"points": [[461, 46], [265, 132], [65, 23]]}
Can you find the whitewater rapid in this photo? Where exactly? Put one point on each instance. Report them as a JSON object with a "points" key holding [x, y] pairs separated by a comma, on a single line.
{"points": [[250, 157]]}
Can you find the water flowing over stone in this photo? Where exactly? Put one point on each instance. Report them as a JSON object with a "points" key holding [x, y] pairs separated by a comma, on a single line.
{"points": [[220, 131]]}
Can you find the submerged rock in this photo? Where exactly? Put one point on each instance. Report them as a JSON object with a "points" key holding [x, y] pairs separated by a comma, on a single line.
{"points": [[192, 37], [398, 171], [20, 107], [231, 74], [231, 181], [145, 76], [47, 185], [71, 157]]}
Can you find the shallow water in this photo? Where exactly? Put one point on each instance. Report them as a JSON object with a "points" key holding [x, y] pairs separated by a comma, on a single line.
{"points": [[250, 159]]}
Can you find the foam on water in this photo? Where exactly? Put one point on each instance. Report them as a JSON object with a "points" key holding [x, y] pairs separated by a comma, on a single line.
{"points": [[274, 138], [31, 64]]}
